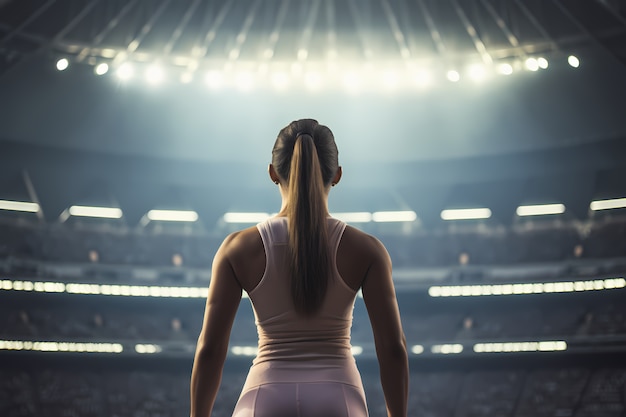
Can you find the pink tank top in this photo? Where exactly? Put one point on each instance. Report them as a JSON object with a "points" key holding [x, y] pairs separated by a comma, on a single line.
{"points": [[294, 348]]}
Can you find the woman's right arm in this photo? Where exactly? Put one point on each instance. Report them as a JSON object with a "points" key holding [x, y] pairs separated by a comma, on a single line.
{"points": [[382, 307]]}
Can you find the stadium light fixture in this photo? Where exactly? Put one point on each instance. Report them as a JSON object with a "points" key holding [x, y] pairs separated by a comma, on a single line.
{"points": [[354, 217], [172, 215], [447, 349], [101, 68], [101, 212], [535, 346], [51, 346], [466, 214], [244, 350], [573, 61], [453, 76], [532, 64], [417, 349], [62, 64], [394, 216], [505, 69], [615, 203], [19, 206], [356, 350], [542, 62], [234, 217], [540, 210]]}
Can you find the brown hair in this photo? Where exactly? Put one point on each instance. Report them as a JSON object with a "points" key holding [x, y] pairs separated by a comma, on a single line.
{"points": [[305, 155]]}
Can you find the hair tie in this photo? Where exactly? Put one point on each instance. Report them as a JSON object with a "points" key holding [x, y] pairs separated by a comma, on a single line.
{"points": [[303, 133]]}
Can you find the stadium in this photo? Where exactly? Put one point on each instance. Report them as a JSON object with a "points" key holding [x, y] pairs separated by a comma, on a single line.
{"points": [[482, 141]]}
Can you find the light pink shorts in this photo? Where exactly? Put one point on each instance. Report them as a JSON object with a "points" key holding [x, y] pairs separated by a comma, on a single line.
{"points": [[311, 399]]}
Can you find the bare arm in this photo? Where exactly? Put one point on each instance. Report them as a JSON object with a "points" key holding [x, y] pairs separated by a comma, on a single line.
{"points": [[221, 308], [380, 299]]}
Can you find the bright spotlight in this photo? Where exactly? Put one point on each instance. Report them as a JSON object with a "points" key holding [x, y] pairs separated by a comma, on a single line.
{"points": [[477, 72], [155, 74], [312, 80], [573, 61], [542, 62], [62, 64], [453, 76], [101, 69], [280, 80], [214, 79], [505, 69], [244, 81], [125, 71], [532, 64]]}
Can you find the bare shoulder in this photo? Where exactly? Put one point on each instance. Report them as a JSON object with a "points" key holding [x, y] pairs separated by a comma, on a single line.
{"points": [[245, 253], [358, 252]]}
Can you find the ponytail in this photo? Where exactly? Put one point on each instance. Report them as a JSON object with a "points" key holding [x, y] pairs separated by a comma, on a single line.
{"points": [[308, 236]]}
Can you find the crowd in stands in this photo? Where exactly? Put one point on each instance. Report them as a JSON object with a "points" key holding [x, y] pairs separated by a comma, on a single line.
{"points": [[496, 246], [575, 392]]}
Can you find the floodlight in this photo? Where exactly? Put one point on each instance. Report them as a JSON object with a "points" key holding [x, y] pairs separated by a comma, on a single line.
{"points": [[394, 216], [542, 62], [234, 217], [466, 214], [354, 217], [573, 61], [125, 71], [173, 215], [62, 64], [101, 212], [505, 69], [615, 203], [417, 349], [477, 72], [532, 64], [19, 206], [540, 209], [101, 69], [453, 76]]}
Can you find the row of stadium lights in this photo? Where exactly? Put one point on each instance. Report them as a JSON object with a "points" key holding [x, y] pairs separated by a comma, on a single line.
{"points": [[352, 80], [350, 217], [201, 292], [149, 348]]}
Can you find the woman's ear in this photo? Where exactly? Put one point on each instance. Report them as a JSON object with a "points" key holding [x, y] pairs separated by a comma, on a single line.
{"points": [[337, 177], [273, 174]]}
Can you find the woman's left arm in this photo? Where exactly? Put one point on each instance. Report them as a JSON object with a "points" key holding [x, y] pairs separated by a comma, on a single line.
{"points": [[221, 307]]}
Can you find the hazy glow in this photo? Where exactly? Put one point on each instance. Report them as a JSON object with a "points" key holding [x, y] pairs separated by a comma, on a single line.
{"points": [[155, 74], [62, 64], [394, 216], [101, 69], [280, 80], [540, 210], [466, 214], [214, 79], [477, 72], [453, 76], [539, 346], [233, 217], [19, 206], [532, 64], [102, 212], [312, 80], [125, 71], [173, 215], [356, 350], [390, 79], [542, 62], [354, 217], [422, 78], [608, 204], [303, 54], [186, 77], [244, 81], [351, 81], [526, 288], [573, 61]]}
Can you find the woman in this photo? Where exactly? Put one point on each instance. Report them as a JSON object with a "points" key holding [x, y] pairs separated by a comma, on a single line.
{"points": [[302, 270]]}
